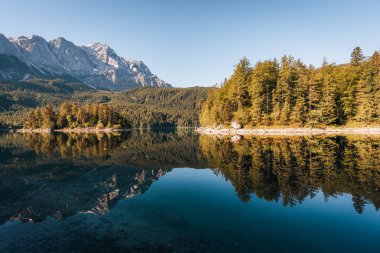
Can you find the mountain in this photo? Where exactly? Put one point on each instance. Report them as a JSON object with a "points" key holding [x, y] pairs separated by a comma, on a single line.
{"points": [[97, 64]]}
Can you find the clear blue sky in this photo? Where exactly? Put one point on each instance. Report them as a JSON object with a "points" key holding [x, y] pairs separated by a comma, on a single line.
{"points": [[197, 42]]}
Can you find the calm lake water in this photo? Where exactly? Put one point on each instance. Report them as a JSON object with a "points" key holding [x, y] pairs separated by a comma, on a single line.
{"points": [[175, 191]]}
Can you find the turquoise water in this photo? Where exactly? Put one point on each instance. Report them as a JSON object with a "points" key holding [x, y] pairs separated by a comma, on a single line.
{"points": [[126, 203]]}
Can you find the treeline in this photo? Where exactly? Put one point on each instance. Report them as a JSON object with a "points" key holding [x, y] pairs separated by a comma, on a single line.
{"points": [[291, 93], [73, 115]]}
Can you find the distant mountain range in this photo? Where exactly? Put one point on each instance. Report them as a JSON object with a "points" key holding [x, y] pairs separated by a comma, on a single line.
{"points": [[96, 65]]}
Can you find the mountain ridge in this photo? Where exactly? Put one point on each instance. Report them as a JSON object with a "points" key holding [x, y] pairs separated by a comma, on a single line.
{"points": [[97, 64]]}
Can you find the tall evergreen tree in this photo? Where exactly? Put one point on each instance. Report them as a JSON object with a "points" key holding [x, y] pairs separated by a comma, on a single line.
{"points": [[209, 114], [356, 56], [314, 97], [263, 82], [38, 118], [48, 117], [284, 96], [239, 93], [300, 110], [63, 112], [375, 60], [368, 91], [348, 78], [329, 106]]}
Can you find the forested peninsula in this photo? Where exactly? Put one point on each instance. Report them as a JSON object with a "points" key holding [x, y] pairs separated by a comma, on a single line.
{"points": [[289, 94]]}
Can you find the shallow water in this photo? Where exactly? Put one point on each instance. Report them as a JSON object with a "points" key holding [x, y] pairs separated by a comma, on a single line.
{"points": [[179, 192]]}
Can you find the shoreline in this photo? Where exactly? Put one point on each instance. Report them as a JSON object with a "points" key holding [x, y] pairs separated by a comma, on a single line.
{"points": [[73, 130], [288, 131]]}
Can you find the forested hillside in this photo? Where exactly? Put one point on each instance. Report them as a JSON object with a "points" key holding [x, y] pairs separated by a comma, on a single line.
{"points": [[283, 93], [161, 107], [142, 107]]}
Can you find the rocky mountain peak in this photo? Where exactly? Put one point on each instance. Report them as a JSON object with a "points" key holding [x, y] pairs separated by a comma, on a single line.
{"points": [[59, 42], [37, 51], [6, 47], [97, 64]]}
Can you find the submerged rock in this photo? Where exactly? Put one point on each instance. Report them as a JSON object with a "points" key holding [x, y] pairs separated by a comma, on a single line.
{"points": [[236, 138]]}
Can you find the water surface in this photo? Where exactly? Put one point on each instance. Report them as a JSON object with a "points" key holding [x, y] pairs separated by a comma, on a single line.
{"points": [[176, 191]]}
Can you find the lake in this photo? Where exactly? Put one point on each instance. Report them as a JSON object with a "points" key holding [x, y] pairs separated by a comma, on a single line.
{"points": [[176, 191]]}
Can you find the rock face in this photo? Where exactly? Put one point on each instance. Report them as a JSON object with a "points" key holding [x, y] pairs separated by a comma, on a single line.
{"points": [[97, 64]]}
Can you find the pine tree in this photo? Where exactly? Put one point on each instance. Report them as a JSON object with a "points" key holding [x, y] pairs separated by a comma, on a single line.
{"points": [[48, 117], [37, 118], [324, 62], [81, 117], [239, 93], [72, 117], [240, 82], [284, 97], [368, 91], [208, 115], [375, 60], [64, 111], [263, 82], [30, 120], [111, 117], [329, 107], [300, 110], [314, 97], [348, 78], [94, 114], [101, 114], [356, 56], [224, 111]]}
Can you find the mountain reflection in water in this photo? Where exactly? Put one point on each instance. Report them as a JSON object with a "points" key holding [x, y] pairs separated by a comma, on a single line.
{"points": [[59, 175], [176, 191], [63, 174]]}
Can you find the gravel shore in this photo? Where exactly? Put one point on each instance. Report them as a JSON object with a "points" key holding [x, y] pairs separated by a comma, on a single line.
{"points": [[288, 131]]}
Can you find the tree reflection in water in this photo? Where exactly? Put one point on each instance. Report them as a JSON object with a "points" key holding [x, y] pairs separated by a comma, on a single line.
{"points": [[291, 169], [59, 175]]}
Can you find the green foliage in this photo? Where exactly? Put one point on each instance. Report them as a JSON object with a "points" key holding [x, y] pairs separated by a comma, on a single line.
{"points": [[294, 94]]}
